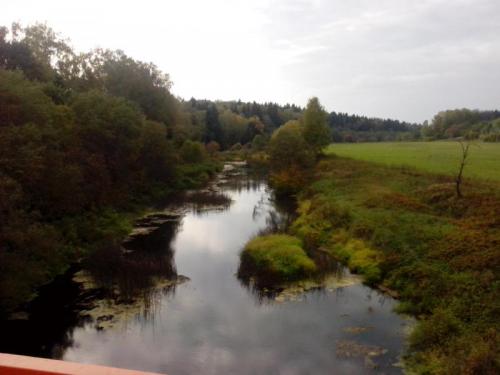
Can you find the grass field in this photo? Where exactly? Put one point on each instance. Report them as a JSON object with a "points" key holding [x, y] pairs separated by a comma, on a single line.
{"points": [[435, 157]]}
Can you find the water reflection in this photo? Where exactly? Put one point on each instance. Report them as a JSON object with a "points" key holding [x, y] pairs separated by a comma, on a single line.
{"points": [[331, 276], [205, 201], [129, 271]]}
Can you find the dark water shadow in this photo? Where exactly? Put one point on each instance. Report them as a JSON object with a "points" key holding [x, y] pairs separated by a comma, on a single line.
{"points": [[129, 270], [53, 316]]}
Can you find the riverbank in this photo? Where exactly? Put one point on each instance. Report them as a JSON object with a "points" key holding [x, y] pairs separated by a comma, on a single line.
{"points": [[405, 230]]}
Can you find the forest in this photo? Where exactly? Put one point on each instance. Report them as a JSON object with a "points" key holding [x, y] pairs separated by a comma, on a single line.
{"points": [[448, 124]]}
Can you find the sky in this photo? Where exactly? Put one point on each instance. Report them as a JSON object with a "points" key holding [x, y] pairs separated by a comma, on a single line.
{"points": [[401, 59]]}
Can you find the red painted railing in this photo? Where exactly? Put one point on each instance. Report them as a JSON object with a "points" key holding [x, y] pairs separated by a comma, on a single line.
{"points": [[22, 365]]}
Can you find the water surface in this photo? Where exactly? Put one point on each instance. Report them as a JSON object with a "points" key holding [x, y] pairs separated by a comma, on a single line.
{"points": [[213, 323]]}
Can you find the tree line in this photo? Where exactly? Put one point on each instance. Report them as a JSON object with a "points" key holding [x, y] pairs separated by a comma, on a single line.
{"points": [[464, 123], [84, 138], [353, 128], [449, 124]]}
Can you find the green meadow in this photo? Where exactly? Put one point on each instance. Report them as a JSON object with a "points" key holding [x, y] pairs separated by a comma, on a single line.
{"points": [[436, 157]]}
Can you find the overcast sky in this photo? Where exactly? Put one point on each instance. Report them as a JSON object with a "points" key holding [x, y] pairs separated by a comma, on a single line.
{"points": [[404, 59]]}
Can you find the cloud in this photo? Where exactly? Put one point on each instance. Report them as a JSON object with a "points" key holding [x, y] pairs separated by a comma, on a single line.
{"points": [[389, 58], [393, 58]]}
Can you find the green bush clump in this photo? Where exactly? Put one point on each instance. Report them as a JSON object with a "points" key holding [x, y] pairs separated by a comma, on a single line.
{"points": [[193, 152], [317, 218], [190, 176], [360, 259], [276, 258], [435, 330]]}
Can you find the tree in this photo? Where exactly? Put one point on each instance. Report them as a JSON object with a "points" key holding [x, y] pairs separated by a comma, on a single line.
{"points": [[290, 158], [464, 146], [259, 142], [142, 83], [233, 128], [213, 128], [156, 156], [316, 131], [193, 152], [212, 148]]}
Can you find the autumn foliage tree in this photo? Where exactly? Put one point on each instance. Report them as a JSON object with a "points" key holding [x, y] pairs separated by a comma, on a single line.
{"points": [[316, 131], [295, 146], [290, 157], [82, 137]]}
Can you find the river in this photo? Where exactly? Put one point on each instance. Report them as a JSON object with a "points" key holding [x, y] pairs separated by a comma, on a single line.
{"points": [[173, 302]]}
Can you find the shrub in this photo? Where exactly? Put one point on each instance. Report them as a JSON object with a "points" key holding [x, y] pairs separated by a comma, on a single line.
{"points": [[435, 330], [288, 149], [258, 160], [359, 257], [493, 137], [193, 152], [318, 217], [259, 142], [212, 147], [275, 258], [236, 147], [289, 181]]}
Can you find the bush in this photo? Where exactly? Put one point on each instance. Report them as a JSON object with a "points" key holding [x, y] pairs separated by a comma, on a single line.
{"points": [[288, 149], [258, 160], [359, 257], [190, 176], [494, 137], [259, 142], [236, 147], [212, 147], [435, 330], [193, 152], [318, 217], [289, 181], [275, 258]]}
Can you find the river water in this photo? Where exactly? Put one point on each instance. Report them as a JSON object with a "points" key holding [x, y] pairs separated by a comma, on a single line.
{"points": [[212, 322]]}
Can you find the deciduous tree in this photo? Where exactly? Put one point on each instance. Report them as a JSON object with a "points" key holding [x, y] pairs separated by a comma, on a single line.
{"points": [[317, 134]]}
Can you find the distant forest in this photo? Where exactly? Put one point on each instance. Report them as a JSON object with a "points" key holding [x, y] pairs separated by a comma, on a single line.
{"points": [[353, 128], [470, 124], [237, 123]]}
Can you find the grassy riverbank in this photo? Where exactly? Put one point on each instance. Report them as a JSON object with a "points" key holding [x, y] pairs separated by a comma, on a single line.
{"points": [[275, 258], [405, 229]]}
